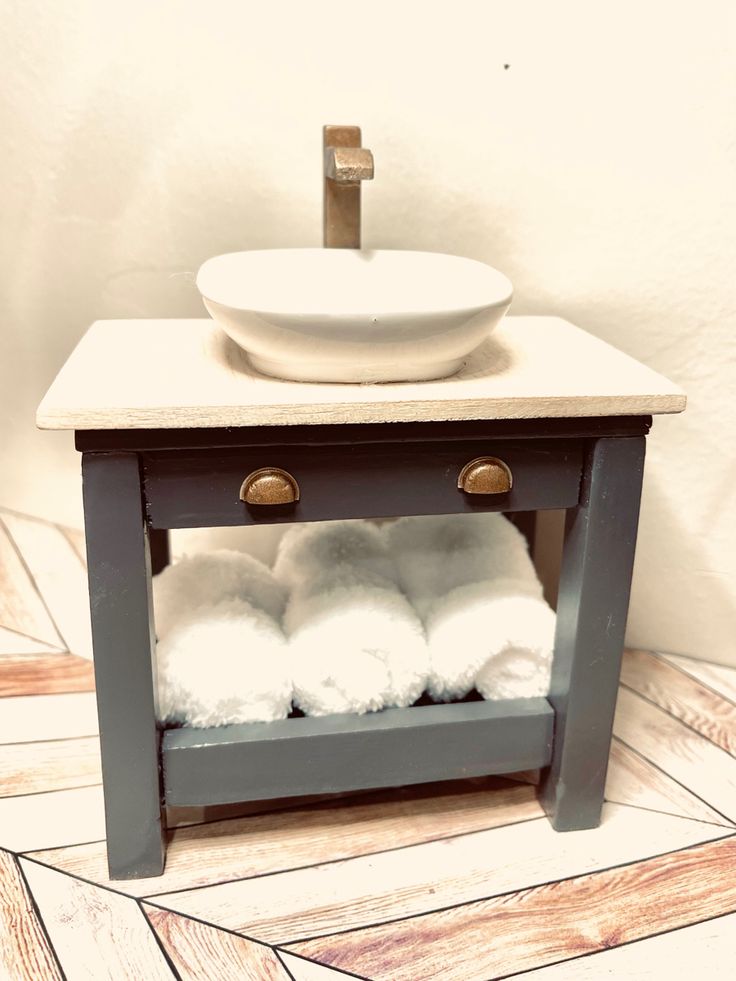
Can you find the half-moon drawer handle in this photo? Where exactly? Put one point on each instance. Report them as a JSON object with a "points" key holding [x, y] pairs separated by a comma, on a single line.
{"points": [[485, 475], [269, 485]]}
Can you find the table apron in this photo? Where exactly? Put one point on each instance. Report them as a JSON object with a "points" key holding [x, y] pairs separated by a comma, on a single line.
{"points": [[200, 488]]}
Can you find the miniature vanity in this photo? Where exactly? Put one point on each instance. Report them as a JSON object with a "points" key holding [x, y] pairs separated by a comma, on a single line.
{"points": [[176, 430]]}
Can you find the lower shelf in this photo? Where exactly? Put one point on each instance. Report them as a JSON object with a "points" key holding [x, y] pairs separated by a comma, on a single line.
{"points": [[337, 753]]}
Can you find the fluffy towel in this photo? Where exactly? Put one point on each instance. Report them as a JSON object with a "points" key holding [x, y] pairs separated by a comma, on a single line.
{"points": [[355, 643], [221, 655], [473, 583], [309, 551], [207, 578]]}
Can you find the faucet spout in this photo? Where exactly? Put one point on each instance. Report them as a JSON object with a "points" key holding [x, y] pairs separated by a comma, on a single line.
{"points": [[346, 164]]}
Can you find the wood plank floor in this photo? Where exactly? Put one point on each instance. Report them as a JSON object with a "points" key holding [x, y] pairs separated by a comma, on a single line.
{"points": [[461, 882]]}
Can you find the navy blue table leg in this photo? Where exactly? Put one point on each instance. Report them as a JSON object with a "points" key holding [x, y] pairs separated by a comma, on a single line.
{"points": [[119, 564], [595, 580]]}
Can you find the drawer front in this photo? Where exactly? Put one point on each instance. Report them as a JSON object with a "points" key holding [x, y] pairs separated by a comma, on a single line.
{"points": [[201, 488]]}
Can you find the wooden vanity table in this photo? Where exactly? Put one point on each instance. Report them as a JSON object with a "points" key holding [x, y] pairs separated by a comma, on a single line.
{"points": [[171, 419]]}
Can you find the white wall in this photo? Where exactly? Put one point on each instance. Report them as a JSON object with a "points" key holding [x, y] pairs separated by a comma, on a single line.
{"points": [[596, 170]]}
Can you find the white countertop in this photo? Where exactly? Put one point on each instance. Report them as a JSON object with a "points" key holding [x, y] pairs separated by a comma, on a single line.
{"points": [[175, 374]]}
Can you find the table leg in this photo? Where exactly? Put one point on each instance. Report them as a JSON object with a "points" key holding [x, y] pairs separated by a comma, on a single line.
{"points": [[119, 564], [595, 580], [158, 539]]}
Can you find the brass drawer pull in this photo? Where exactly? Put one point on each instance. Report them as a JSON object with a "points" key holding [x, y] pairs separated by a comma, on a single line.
{"points": [[269, 485], [485, 475]]}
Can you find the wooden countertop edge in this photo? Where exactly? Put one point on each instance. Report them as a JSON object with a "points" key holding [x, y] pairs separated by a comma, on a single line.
{"points": [[206, 417]]}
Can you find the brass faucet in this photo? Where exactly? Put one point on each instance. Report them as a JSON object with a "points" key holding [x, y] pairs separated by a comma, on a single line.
{"points": [[346, 164]]}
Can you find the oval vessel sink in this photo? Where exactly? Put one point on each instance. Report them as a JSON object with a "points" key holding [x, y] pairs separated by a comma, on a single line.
{"points": [[345, 315]]}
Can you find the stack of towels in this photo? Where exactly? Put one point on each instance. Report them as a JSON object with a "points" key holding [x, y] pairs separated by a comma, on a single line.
{"points": [[352, 618]]}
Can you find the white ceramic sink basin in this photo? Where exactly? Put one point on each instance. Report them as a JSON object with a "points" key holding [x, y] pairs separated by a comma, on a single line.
{"points": [[343, 315]]}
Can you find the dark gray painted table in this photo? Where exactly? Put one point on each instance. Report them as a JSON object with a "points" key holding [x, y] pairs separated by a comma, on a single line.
{"points": [[169, 448], [138, 484]]}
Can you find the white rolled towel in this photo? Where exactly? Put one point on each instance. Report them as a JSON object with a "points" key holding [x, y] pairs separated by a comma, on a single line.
{"points": [[355, 643], [221, 665], [207, 578], [221, 657], [307, 551], [473, 583]]}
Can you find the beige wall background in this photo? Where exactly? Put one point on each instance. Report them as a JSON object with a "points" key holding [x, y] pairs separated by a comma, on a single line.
{"points": [[587, 149]]}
